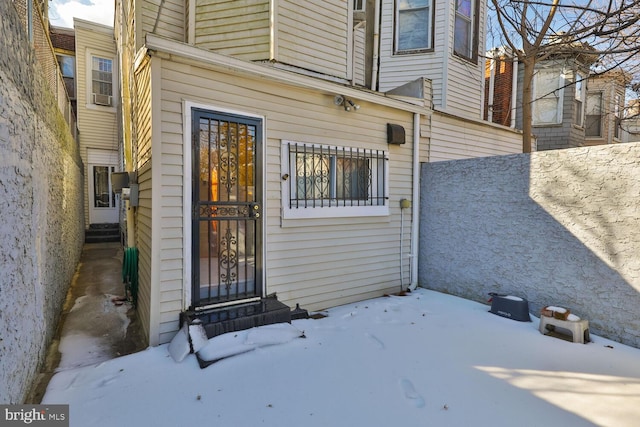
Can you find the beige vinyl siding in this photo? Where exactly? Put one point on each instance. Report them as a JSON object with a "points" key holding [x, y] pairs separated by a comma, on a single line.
{"points": [[396, 70], [141, 158], [465, 88], [314, 35], [359, 45], [165, 16], [143, 114], [453, 138], [143, 243], [97, 125], [317, 263], [238, 28], [465, 84], [457, 83]]}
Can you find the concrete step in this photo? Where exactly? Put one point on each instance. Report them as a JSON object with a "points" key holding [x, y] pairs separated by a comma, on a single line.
{"points": [[100, 233], [240, 317]]}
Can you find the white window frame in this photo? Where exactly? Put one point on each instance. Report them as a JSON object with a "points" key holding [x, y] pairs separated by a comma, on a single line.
{"points": [[429, 23], [580, 98], [323, 210], [91, 104], [617, 116], [559, 97]]}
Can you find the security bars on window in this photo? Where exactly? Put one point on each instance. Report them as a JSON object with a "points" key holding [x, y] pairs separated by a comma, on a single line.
{"points": [[324, 176]]}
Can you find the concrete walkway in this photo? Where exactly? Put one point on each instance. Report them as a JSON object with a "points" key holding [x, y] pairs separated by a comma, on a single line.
{"points": [[92, 327]]}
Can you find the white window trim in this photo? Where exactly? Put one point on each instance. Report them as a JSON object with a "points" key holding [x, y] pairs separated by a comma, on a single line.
{"points": [[560, 90], [581, 96], [396, 31], [324, 211], [602, 124], [472, 30], [89, 80]]}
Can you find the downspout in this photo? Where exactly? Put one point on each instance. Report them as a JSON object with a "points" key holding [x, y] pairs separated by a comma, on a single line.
{"points": [[492, 83], [376, 42], [514, 90], [415, 205]]}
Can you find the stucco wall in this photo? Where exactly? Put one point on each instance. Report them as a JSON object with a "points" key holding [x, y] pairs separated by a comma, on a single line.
{"points": [[41, 222], [559, 227]]}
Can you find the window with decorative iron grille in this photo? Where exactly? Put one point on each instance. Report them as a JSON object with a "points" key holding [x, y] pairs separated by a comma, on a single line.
{"points": [[342, 181]]}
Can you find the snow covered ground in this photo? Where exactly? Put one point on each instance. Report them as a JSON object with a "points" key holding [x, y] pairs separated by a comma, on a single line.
{"points": [[427, 359]]}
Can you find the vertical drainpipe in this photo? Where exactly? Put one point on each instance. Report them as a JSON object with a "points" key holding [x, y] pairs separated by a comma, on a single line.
{"points": [[492, 83], [514, 90], [376, 42], [30, 20], [415, 205]]}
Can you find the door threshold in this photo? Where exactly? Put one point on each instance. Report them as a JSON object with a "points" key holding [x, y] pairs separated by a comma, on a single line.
{"points": [[225, 304]]}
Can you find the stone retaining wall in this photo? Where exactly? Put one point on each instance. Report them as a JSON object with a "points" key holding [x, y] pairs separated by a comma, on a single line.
{"points": [[41, 220]]}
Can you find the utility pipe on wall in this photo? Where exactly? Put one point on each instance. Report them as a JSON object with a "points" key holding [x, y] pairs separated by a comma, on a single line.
{"points": [[415, 206], [376, 41]]}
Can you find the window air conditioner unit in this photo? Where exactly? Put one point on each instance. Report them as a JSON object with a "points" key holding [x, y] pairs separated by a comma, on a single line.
{"points": [[99, 99]]}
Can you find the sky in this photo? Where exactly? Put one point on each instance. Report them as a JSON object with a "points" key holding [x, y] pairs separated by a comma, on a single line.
{"points": [[62, 12], [426, 359]]}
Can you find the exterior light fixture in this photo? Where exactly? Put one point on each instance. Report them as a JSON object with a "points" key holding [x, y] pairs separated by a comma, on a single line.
{"points": [[347, 104]]}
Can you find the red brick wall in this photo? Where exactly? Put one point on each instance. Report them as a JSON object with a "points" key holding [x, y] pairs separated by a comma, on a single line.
{"points": [[503, 78]]}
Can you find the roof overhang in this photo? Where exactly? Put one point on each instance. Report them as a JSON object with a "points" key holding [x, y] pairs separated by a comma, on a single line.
{"points": [[183, 52]]}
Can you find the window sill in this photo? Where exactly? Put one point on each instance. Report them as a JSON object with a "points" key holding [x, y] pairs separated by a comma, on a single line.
{"points": [[97, 107], [465, 59], [335, 212], [413, 52]]}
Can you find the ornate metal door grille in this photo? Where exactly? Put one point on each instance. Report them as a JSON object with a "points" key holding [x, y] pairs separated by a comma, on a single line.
{"points": [[227, 208]]}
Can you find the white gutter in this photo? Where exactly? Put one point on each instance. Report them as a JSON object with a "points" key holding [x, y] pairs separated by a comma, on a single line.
{"points": [[376, 42], [415, 204]]}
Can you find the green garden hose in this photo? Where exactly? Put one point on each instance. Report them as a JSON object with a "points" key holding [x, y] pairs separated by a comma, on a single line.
{"points": [[130, 274]]}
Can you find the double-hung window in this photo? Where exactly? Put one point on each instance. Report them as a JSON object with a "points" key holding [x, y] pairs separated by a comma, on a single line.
{"points": [[593, 118], [413, 25], [579, 99], [617, 103], [466, 28], [547, 97], [329, 181], [102, 81]]}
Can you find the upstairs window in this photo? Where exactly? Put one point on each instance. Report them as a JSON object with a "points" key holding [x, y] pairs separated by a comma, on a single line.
{"points": [[466, 28], [413, 25], [593, 118], [67, 65], [547, 97], [359, 5], [102, 81], [327, 181], [617, 102], [579, 100]]}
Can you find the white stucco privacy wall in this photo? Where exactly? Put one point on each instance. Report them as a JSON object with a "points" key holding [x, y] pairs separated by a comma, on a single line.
{"points": [[558, 227], [41, 226]]}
